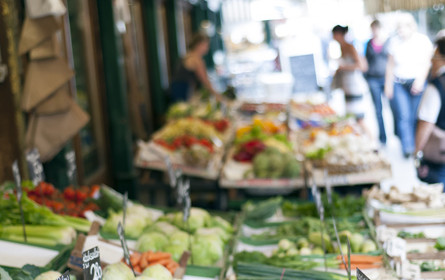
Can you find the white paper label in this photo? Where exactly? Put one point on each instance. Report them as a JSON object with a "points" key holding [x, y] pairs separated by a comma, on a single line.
{"points": [[407, 270], [396, 247], [384, 233]]}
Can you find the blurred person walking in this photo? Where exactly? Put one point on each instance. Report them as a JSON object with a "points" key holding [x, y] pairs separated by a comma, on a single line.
{"points": [[430, 134], [191, 73], [405, 80], [349, 76], [377, 57]]}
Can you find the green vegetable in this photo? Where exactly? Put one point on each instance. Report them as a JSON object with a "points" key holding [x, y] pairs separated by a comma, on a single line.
{"points": [[39, 235], [179, 110], [217, 221], [137, 219], [4, 275], [440, 244], [206, 249], [246, 271], [158, 272], [262, 210], [152, 241], [285, 244], [35, 214], [368, 246], [427, 266], [117, 271], [316, 238], [198, 219], [356, 242], [49, 275], [163, 227], [405, 234]]}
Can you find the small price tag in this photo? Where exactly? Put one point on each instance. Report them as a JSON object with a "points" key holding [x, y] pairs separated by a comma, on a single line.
{"points": [[361, 275], [121, 233], [17, 179], [384, 233], [91, 264], [171, 172], [186, 210], [124, 208], [396, 247], [65, 276], [18, 185], [407, 270], [70, 158], [35, 166], [184, 198]]}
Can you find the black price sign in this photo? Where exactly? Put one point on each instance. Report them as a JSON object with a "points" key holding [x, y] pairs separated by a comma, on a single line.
{"points": [[65, 276], [18, 185], [361, 275], [35, 166], [121, 233], [91, 264]]}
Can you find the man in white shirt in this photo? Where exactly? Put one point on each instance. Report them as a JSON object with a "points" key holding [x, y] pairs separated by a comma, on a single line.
{"points": [[406, 73], [431, 114]]}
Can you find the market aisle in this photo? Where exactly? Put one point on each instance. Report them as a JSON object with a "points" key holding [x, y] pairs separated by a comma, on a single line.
{"points": [[404, 173]]}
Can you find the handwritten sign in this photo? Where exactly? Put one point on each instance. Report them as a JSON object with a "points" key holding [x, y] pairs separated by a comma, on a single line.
{"points": [[35, 166], [18, 185], [65, 276], [121, 233], [396, 247], [91, 264], [361, 275]]}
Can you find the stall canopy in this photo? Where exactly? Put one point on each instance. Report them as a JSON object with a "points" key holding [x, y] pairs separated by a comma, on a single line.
{"points": [[379, 6]]}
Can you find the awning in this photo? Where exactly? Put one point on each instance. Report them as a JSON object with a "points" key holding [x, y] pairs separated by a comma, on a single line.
{"points": [[379, 6]]}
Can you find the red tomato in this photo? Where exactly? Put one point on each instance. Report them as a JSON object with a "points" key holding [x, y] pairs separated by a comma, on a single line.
{"points": [[69, 194]]}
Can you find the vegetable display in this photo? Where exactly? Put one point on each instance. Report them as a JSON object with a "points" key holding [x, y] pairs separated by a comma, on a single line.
{"points": [[203, 235], [141, 261], [72, 201], [35, 214]]}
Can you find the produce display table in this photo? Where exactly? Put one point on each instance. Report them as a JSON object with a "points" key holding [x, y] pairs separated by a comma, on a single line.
{"points": [[186, 170], [269, 184], [372, 176]]}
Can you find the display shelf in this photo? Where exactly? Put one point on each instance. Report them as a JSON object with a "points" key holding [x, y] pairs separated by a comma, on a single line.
{"points": [[372, 176], [186, 170]]}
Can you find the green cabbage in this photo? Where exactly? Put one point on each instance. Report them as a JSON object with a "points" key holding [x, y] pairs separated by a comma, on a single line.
{"points": [[4, 275], [163, 227], [198, 219], [207, 249], [158, 272], [180, 238], [151, 241], [49, 275], [224, 236], [217, 221], [137, 219], [176, 251], [116, 271], [142, 277]]}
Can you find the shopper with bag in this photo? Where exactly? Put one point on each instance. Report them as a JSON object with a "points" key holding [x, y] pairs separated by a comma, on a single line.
{"points": [[430, 134], [405, 81]]}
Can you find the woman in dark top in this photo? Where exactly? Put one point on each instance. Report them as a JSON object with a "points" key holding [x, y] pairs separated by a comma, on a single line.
{"points": [[192, 72], [377, 57]]}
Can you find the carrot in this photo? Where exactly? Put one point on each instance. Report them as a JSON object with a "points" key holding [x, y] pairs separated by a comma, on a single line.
{"points": [[143, 263], [145, 255], [361, 266], [158, 256], [135, 258], [362, 259], [137, 268], [163, 262], [172, 265]]}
